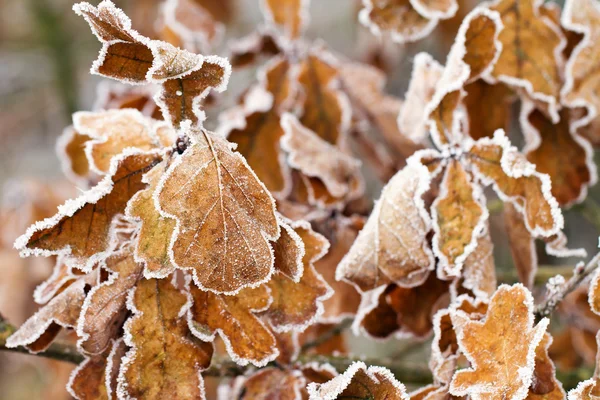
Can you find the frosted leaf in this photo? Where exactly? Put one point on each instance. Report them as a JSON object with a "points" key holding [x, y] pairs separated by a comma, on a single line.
{"points": [[112, 95], [38, 332], [544, 384], [506, 337], [248, 50], [273, 383], [234, 319], [358, 381], [81, 228], [459, 217], [164, 362], [589, 389], [426, 73], [70, 148], [314, 157], [224, 216], [531, 52], [479, 270], [473, 54], [289, 250], [495, 162], [398, 18], [62, 274], [488, 108], [289, 16], [113, 131], [393, 244]]}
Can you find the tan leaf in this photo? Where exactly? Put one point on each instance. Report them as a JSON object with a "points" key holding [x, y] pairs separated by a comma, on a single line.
{"points": [[459, 214], [224, 216], [152, 245], [326, 109], [262, 43], [589, 389], [358, 381], [479, 270], [297, 305], [289, 251], [507, 337], [289, 16], [112, 95], [488, 108], [81, 228], [530, 57], [104, 308], [164, 361], [62, 276], [70, 147], [336, 344], [233, 317], [558, 151], [399, 18], [544, 384], [496, 162], [314, 157], [393, 244], [522, 245], [273, 383], [113, 131]]}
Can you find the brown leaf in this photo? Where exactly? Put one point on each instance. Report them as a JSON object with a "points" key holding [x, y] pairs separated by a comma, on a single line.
{"points": [[522, 245], [507, 337], [70, 147], [224, 216], [393, 246], [81, 228], [589, 389], [326, 109], [233, 317], [62, 276], [298, 304], [544, 384], [558, 151], [153, 241], [359, 382], [164, 362], [116, 95], [488, 108], [289, 251], [273, 383], [289, 16], [111, 132], [479, 270], [496, 162], [104, 308], [530, 52], [248, 50], [314, 157], [459, 215]]}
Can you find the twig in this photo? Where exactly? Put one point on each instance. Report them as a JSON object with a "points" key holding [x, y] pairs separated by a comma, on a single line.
{"points": [[319, 340], [557, 294]]}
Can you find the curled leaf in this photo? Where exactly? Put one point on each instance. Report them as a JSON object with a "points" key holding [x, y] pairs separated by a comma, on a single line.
{"points": [[289, 16]]}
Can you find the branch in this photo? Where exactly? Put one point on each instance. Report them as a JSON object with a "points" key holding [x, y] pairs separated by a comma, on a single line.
{"points": [[557, 293]]}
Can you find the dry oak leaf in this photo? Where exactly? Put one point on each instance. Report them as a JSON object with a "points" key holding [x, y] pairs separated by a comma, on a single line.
{"points": [[297, 305], [314, 157], [62, 275], [398, 18], [289, 16], [479, 270], [473, 54], [326, 109], [185, 78], [459, 215], [581, 75], [531, 52], [164, 361], [224, 215], [522, 245], [402, 312], [393, 245], [70, 148], [82, 227], [112, 95], [488, 108], [289, 250], [246, 337], [494, 161], [425, 75], [40, 330], [259, 130], [113, 131], [544, 385], [560, 152], [501, 348], [248, 50], [589, 389], [594, 293], [187, 24], [345, 300], [434, 392], [154, 238], [96, 377], [359, 382], [104, 309], [273, 383]]}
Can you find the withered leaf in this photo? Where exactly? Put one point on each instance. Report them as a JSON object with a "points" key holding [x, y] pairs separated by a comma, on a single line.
{"points": [[164, 361], [589, 389], [314, 157], [224, 216], [289, 251], [507, 337], [61, 277], [70, 147], [360, 382], [496, 162], [326, 109], [246, 337], [544, 384], [479, 270], [298, 304], [459, 215], [530, 56], [558, 151], [393, 246], [488, 108], [81, 228], [290, 16], [274, 383]]}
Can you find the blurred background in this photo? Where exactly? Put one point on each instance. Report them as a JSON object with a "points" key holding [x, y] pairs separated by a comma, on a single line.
{"points": [[45, 55]]}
